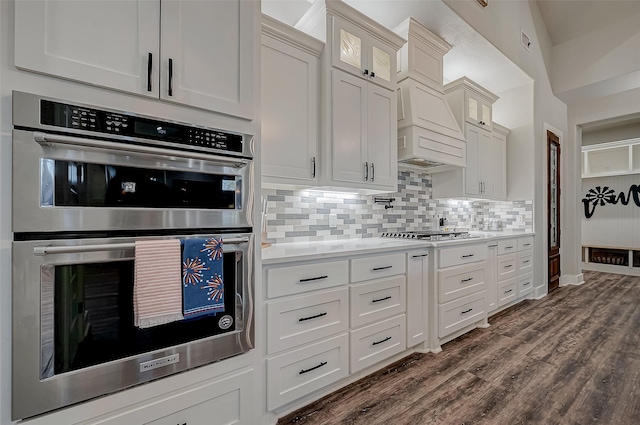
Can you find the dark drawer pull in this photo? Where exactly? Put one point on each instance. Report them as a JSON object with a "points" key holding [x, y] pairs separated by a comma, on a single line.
{"points": [[302, 319], [524, 262], [381, 341], [418, 256], [375, 269], [508, 265], [508, 247], [525, 284], [313, 368], [526, 244], [381, 299], [466, 311], [313, 278], [492, 246], [468, 255], [466, 280], [506, 292]]}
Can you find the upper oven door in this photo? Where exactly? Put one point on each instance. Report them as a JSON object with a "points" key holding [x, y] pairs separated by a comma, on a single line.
{"points": [[74, 184]]}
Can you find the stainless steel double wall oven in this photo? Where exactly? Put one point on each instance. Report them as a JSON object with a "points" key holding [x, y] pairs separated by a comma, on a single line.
{"points": [[87, 183]]}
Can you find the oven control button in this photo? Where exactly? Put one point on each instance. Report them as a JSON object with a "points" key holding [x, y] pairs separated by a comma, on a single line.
{"points": [[225, 322]]}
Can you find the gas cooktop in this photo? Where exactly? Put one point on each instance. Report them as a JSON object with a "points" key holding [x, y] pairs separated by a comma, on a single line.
{"points": [[429, 235]]}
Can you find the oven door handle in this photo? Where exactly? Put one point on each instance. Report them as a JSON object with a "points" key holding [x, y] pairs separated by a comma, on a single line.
{"points": [[51, 139], [45, 250]]}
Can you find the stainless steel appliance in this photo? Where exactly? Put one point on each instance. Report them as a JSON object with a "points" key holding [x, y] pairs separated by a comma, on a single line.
{"points": [[84, 190], [430, 235]]}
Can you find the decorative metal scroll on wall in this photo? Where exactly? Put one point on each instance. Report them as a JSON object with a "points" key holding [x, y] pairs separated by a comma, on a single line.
{"points": [[601, 196]]}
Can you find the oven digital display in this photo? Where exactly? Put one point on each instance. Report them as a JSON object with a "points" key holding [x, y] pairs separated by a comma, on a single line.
{"points": [[157, 130]]}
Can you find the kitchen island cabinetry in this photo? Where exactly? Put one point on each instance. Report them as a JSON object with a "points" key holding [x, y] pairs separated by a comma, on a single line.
{"points": [[130, 46], [290, 65]]}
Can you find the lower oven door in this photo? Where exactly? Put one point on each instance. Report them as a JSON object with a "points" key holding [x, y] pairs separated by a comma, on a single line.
{"points": [[73, 329]]}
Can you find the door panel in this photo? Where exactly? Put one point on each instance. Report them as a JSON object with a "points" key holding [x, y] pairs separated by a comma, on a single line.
{"points": [[210, 47], [102, 43], [472, 183], [553, 205], [381, 151], [349, 127]]}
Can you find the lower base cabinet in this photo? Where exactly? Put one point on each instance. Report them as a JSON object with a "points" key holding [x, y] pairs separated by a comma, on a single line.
{"points": [[377, 342], [216, 402]]}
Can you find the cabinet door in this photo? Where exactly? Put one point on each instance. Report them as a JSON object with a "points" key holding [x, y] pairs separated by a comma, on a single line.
{"points": [[471, 177], [382, 152], [485, 114], [104, 43], [417, 297], [498, 172], [289, 112], [491, 297], [487, 162], [349, 127], [383, 65], [207, 54], [349, 48]]}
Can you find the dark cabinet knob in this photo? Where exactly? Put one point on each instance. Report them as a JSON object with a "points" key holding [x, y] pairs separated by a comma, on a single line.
{"points": [[366, 72], [373, 74]]}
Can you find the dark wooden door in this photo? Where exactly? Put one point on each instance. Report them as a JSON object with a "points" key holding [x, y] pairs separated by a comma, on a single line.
{"points": [[553, 208]]}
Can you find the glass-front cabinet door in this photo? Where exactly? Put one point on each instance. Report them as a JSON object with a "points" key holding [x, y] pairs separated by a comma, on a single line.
{"points": [[355, 51]]}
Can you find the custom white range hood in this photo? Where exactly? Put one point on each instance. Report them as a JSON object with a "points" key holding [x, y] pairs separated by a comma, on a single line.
{"points": [[428, 133]]}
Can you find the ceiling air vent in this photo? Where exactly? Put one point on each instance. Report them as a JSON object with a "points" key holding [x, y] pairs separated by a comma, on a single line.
{"points": [[525, 40]]}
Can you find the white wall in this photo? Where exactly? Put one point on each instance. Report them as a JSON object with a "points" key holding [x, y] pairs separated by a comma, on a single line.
{"points": [[612, 225], [500, 23], [621, 132], [514, 110], [582, 67]]}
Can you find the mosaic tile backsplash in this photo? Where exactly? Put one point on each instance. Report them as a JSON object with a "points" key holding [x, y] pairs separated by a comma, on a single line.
{"points": [[300, 216]]}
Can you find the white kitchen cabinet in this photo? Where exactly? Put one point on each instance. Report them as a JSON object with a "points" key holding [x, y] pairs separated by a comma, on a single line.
{"points": [[290, 105], [513, 267], [611, 159], [362, 131], [231, 398], [194, 53], [491, 276], [461, 289], [326, 319], [417, 297], [486, 166], [358, 131], [354, 50]]}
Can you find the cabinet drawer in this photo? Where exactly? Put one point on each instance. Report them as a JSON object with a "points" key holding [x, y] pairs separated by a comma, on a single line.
{"points": [[507, 291], [507, 266], [376, 342], [525, 262], [308, 277], [297, 373], [457, 314], [525, 243], [299, 320], [507, 246], [461, 255], [525, 285], [460, 281], [376, 267], [377, 300]]}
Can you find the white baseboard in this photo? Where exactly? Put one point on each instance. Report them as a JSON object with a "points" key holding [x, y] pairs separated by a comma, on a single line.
{"points": [[540, 292], [568, 279]]}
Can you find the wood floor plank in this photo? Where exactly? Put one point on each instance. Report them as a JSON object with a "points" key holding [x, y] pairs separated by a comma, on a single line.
{"points": [[571, 358]]}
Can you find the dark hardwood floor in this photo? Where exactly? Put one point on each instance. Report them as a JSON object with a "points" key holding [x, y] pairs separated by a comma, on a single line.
{"points": [[572, 357]]}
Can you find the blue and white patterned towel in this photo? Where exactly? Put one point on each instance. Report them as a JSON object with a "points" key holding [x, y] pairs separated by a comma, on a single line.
{"points": [[202, 277]]}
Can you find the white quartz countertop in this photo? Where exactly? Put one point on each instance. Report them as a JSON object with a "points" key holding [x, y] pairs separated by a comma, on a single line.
{"points": [[314, 250]]}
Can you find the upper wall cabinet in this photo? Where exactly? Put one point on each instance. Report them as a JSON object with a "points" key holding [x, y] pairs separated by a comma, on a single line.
{"points": [[611, 159], [206, 59], [470, 102], [290, 86], [359, 53]]}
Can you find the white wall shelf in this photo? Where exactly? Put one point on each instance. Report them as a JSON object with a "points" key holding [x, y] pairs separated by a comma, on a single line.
{"points": [[611, 159]]}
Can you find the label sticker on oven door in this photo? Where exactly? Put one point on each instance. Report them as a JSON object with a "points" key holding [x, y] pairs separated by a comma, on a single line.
{"points": [[229, 185], [163, 361], [225, 322]]}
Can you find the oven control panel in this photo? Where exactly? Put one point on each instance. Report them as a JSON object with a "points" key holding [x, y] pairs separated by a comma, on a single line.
{"points": [[113, 123]]}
